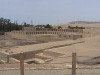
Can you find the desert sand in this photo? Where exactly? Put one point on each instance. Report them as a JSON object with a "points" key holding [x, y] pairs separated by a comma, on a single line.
{"points": [[87, 47]]}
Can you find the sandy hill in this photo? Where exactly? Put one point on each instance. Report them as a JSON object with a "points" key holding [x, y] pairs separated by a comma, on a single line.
{"points": [[90, 25]]}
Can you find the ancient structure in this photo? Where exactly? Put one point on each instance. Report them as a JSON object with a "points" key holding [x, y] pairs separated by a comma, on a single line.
{"points": [[35, 31], [27, 31]]}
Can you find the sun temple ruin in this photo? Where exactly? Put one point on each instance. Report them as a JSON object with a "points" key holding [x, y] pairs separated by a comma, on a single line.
{"points": [[34, 31]]}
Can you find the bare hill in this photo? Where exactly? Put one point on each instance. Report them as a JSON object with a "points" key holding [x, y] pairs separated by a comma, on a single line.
{"points": [[87, 25]]}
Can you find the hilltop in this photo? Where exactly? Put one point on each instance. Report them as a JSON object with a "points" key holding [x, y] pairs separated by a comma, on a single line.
{"points": [[83, 22]]}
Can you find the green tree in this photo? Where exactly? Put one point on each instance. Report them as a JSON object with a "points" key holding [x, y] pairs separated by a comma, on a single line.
{"points": [[48, 26], [6, 25], [69, 27], [59, 27]]}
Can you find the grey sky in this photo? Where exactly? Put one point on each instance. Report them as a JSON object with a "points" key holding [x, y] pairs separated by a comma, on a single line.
{"points": [[50, 11]]}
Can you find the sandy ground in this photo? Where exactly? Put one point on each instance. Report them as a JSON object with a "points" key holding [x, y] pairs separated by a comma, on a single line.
{"points": [[42, 46], [7, 43], [89, 48]]}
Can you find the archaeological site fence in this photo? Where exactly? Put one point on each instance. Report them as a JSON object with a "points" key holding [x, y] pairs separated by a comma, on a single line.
{"points": [[77, 67]]}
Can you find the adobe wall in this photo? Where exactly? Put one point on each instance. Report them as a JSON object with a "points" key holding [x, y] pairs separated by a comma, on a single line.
{"points": [[31, 32]]}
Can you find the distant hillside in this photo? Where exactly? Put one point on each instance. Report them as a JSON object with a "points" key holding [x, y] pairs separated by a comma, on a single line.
{"points": [[82, 22]]}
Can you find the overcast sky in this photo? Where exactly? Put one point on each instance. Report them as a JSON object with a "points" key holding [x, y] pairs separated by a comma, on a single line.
{"points": [[50, 11]]}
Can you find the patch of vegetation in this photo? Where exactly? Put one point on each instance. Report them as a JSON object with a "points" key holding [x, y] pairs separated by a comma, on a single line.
{"points": [[70, 27], [59, 27]]}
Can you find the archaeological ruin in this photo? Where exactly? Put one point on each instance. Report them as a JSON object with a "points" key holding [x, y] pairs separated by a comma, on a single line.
{"points": [[33, 31]]}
